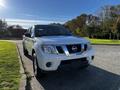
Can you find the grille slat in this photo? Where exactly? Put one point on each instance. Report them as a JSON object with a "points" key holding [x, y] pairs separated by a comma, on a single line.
{"points": [[60, 50]]}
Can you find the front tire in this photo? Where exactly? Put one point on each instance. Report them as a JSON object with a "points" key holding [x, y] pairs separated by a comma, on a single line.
{"points": [[37, 71]]}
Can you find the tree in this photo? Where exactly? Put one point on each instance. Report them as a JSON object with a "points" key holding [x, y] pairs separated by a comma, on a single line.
{"points": [[110, 16], [3, 25], [77, 24], [3, 28], [105, 25]]}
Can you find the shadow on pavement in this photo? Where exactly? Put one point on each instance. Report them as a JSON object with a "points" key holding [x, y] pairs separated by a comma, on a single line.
{"points": [[29, 57], [69, 78]]}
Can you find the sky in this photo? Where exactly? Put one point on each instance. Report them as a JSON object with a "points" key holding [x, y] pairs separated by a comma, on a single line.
{"points": [[29, 12]]}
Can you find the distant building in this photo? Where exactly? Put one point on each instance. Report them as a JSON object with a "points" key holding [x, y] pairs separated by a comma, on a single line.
{"points": [[16, 31]]}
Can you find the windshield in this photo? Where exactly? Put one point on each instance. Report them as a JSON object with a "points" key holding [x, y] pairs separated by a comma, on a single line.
{"points": [[50, 30]]}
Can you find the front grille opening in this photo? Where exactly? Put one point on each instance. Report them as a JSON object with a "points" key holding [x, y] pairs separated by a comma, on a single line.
{"points": [[69, 47], [79, 60], [59, 49]]}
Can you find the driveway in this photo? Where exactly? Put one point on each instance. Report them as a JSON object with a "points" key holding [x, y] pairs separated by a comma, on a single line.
{"points": [[103, 74]]}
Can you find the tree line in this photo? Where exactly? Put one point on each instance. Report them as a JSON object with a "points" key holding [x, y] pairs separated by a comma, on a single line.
{"points": [[104, 25]]}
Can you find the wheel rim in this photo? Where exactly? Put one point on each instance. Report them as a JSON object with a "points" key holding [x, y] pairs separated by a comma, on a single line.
{"points": [[35, 64]]}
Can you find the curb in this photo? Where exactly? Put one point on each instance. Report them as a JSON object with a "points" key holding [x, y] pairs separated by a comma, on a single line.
{"points": [[35, 85], [22, 84], [28, 82]]}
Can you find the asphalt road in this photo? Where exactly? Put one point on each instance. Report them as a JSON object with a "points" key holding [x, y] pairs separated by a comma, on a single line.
{"points": [[103, 74]]}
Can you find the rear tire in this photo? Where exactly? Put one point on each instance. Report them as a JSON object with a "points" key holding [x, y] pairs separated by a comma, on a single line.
{"points": [[37, 71]]}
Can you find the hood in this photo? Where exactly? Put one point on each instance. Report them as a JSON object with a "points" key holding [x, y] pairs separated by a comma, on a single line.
{"points": [[61, 40]]}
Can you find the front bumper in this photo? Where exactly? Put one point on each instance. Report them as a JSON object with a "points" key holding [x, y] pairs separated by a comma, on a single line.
{"points": [[51, 62]]}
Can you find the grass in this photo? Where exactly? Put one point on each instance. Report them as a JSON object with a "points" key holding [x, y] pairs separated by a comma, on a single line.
{"points": [[9, 66], [105, 41]]}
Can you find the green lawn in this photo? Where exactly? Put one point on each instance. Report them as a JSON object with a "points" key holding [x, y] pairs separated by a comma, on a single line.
{"points": [[104, 41], [9, 66]]}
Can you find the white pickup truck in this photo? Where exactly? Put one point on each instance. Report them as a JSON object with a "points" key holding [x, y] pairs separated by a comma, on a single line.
{"points": [[53, 45]]}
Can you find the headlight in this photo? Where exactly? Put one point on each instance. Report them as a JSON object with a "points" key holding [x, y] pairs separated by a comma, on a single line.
{"points": [[89, 45], [49, 49]]}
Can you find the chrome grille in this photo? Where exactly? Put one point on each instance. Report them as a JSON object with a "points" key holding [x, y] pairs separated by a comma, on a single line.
{"points": [[71, 49]]}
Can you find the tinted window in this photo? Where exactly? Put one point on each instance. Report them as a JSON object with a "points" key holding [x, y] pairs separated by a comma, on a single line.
{"points": [[50, 30]]}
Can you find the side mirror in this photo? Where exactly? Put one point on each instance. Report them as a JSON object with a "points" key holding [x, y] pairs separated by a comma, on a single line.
{"points": [[27, 35]]}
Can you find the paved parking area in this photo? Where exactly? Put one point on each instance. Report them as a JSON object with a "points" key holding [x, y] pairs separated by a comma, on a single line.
{"points": [[103, 74]]}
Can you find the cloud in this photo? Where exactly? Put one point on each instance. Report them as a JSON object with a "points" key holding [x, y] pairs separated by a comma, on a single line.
{"points": [[27, 23], [29, 15], [2, 4]]}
